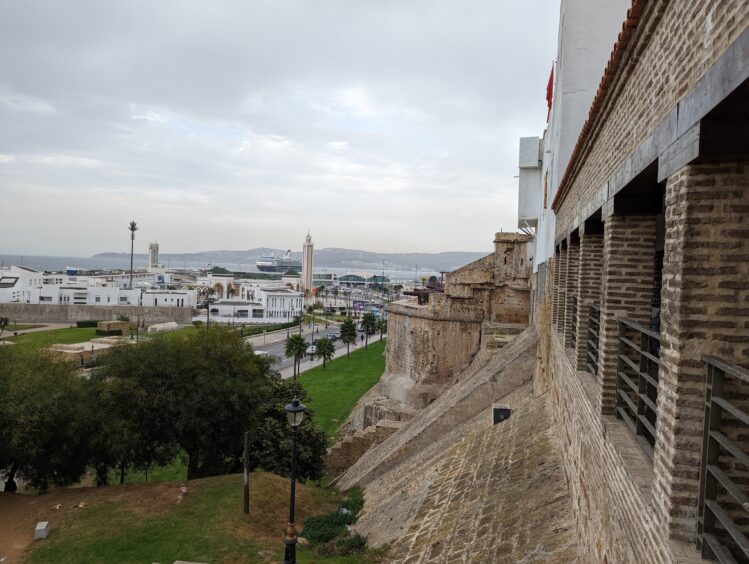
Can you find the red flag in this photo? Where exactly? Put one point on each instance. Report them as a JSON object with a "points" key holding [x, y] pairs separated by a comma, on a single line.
{"points": [[550, 92]]}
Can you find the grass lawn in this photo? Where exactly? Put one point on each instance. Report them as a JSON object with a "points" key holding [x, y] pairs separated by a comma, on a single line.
{"points": [[40, 339], [146, 523], [335, 390]]}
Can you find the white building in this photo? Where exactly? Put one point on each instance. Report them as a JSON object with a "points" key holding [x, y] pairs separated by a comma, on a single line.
{"points": [[169, 298], [19, 284], [308, 250], [262, 304], [587, 30]]}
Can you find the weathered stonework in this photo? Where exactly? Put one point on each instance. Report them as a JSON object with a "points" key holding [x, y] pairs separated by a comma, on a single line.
{"points": [[590, 266], [570, 292]]}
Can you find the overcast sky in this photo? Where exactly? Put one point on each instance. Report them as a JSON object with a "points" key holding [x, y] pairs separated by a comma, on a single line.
{"points": [[385, 125]]}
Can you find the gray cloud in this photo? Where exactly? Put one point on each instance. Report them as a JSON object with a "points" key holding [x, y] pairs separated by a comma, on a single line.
{"points": [[383, 125]]}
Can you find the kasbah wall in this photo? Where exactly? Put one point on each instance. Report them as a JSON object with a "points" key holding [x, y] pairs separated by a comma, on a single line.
{"points": [[429, 345], [51, 313]]}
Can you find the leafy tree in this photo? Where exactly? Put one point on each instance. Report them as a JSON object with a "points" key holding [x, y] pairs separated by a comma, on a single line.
{"points": [[382, 327], [45, 420], [369, 323], [348, 334], [4, 322], [397, 290], [271, 441], [296, 348], [203, 392], [325, 350]]}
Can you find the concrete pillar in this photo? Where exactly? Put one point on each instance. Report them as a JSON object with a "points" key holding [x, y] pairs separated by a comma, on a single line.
{"points": [[571, 287], [561, 287], [705, 310], [588, 286], [626, 291]]}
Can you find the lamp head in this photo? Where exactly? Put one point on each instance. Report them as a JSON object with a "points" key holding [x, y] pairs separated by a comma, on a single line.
{"points": [[295, 412]]}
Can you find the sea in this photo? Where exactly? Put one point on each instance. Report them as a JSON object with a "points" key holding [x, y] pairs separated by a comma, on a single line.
{"points": [[55, 263]]}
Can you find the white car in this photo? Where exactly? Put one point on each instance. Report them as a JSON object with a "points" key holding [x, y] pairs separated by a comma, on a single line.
{"points": [[312, 349]]}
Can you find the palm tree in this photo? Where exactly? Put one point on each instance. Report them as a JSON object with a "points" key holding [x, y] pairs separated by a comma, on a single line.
{"points": [[369, 322], [382, 327], [295, 348], [325, 350], [133, 227], [397, 289], [231, 291], [348, 334]]}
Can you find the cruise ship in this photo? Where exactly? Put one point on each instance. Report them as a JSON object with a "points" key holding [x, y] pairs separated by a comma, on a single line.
{"points": [[272, 263]]}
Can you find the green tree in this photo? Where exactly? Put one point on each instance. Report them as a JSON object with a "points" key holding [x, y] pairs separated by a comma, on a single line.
{"points": [[271, 446], [295, 348], [325, 350], [45, 420], [4, 322], [200, 393], [348, 334], [382, 326], [369, 323]]}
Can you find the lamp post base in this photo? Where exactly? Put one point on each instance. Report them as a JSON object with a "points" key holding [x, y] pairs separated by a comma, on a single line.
{"points": [[290, 551]]}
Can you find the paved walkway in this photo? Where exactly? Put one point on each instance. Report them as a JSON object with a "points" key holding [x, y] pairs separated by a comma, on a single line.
{"points": [[44, 327]]}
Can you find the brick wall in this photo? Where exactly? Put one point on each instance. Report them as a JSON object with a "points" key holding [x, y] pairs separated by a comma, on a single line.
{"points": [[588, 289], [607, 472], [561, 289], [705, 310], [679, 41], [573, 272], [555, 262], [626, 291]]}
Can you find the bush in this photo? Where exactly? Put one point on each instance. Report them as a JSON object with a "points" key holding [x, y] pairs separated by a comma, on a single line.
{"points": [[344, 546], [109, 333], [197, 323], [355, 501], [324, 528], [87, 323], [123, 317]]}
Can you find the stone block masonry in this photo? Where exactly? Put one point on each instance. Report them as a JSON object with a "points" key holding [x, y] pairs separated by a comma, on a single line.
{"points": [[705, 310], [54, 313], [627, 291], [561, 287], [588, 290]]}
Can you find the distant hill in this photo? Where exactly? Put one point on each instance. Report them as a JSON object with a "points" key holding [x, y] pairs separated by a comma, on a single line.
{"points": [[325, 258]]}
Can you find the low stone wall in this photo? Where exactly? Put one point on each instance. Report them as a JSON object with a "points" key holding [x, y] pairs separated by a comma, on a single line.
{"points": [[348, 450], [54, 313]]}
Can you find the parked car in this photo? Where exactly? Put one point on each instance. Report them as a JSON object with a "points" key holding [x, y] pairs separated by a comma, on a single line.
{"points": [[312, 349], [332, 336]]}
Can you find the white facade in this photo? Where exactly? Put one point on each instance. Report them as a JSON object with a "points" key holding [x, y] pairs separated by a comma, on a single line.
{"points": [[587, 32], [169, 298], [262, 304], [18, 283], [308, 250]]}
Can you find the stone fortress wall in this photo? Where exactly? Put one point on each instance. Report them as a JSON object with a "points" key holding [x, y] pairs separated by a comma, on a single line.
{"points": [[62, 313]]}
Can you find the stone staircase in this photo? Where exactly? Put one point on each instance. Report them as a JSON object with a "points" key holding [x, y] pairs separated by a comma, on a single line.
{"points": [[342, 455], [496, 335]]}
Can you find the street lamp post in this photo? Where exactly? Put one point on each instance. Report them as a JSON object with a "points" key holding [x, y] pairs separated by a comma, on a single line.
{"points": [[295, 414]]}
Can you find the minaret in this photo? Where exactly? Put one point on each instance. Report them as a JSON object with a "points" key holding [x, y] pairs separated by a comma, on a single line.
{"points": [[307, 251], [153, 255]]}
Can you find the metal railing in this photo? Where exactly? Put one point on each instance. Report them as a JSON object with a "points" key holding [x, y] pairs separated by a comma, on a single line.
{"points": [[594, 330], [573, 330], [724, 484], [637, 381]]}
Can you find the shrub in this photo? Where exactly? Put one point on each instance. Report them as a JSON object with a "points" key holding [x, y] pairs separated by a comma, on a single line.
{"points": [[354, 500], [87, 323], [324, 528], [109, 333], [123, 317], [197, 323]]}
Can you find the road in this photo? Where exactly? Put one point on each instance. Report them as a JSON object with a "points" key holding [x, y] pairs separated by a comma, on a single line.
{"points": [[284, 366]]}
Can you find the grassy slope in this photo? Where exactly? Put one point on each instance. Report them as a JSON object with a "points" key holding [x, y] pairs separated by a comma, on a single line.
{"points": [[38, 340], [335, 390], [145, 524]]}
